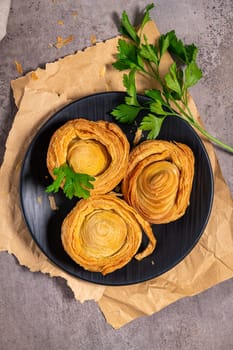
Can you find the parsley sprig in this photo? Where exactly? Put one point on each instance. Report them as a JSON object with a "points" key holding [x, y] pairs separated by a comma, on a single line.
{"points": [[137, 55], [74, 184]]}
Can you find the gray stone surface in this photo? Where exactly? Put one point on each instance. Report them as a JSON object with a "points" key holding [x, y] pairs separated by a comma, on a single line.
{"points": [[38, 312]]}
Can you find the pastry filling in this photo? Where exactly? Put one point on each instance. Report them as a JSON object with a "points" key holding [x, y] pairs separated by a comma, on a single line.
{"points": [[103, 233], [88, 157], [158, 185]]}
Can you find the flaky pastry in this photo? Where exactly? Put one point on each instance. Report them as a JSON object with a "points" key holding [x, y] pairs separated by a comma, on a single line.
{"points": [[159, 180], [103, 233], [99, 149]]}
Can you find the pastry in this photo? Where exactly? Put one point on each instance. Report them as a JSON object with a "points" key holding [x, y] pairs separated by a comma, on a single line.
{"points": [[103, 233], [99, 149], [158, 180]]}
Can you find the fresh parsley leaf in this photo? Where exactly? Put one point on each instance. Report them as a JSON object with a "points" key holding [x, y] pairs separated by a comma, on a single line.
{"points": [[154, 94], [172, 81], [149, 52], [128, 112], [129, 83], [191, 53], [164, 42], [176, 46], [121, 65], [146, 17], [74, 184], [125, 113], [157, 108], [126, 50], [55, 186], [140, 62], [127, 57], [127, 29], [77, 185], [185, 53], [152, 124], [192, 74]]}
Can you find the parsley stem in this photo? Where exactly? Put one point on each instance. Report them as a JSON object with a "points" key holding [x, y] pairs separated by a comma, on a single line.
{"points": [[189, 112], [156, 74], [190, 119], [148, 74], [170, 113], [182, 111], [184, 100], [212, 138]]}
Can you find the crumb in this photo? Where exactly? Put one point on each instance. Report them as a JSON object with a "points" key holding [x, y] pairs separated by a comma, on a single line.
{"points": [[52, 203], [34, 76], [60, 22], [137, 137], [152, 262], [19, 67], [63, 41], [93, 39], [116, 194], [74, 14], [39, 199]]}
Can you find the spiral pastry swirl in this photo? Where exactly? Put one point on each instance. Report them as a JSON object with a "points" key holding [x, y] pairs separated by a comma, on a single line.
{"points": [[99, 149], [158, 181], [103, 233]]}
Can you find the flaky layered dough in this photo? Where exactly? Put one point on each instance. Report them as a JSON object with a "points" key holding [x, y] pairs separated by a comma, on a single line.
{"points": [[159, 180], [99, 149], [103, 233]]}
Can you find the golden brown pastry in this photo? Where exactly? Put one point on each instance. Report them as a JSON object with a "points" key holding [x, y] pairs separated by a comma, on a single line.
{"points": [[99, 149], [159, 180], [103, 233]]}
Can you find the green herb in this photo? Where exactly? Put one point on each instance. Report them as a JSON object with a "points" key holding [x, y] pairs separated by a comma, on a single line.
{"points": [[136, 55], [127, 112], [74, 184]]}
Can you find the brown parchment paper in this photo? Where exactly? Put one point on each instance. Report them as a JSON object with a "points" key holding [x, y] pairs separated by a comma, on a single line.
{"points": [[38, 95]]}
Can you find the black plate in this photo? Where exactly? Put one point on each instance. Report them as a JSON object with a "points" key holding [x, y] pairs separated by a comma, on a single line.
{"points": [[175, 240]]}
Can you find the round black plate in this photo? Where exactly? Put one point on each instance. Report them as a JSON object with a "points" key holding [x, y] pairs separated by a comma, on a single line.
{"points": [[174, 240]]}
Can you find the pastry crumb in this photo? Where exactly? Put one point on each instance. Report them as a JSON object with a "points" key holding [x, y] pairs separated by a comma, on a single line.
{"points": [[19, 67], [34, 76], [60, 22], [39, 199], [93, 39], [74, 14], [117, 194], [63, 41], [52, 203], [137, 137]]}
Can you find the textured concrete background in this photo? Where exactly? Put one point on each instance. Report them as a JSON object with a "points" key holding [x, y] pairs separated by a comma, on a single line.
{"points": [[37, 312]]}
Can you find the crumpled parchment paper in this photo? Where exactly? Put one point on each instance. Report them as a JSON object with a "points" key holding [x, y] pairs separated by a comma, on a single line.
{"points": [[38, 95]]}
